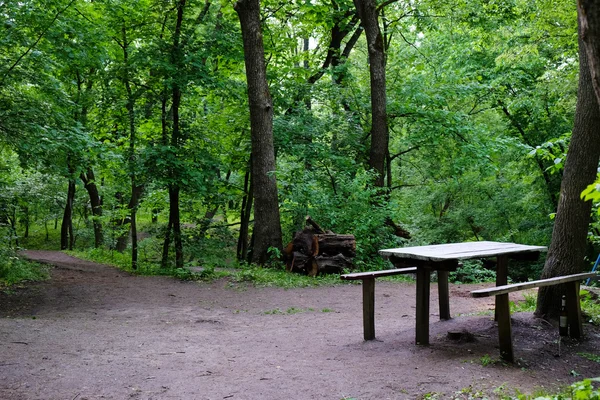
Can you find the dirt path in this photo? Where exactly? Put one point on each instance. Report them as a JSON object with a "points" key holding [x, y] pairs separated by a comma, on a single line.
{"points": [[93, 332]]}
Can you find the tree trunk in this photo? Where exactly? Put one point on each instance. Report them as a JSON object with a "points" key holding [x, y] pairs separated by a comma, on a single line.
{"points": [[166, 243], [589, 20], [66, 229], [567, 248], [267, 223], [89, 182], [26, 215], [135, 188], [174, 189], [246, 210], [367, 11], [174, 211]]}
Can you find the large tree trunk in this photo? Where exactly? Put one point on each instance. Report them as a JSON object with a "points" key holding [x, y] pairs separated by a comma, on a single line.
{"points": [[66, 229], [569, 236], [89, 182], [368, 13], [589, 20], [267, 224]]}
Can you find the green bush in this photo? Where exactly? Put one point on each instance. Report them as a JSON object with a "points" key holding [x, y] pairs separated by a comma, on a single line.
{"points": [[472, 271]]}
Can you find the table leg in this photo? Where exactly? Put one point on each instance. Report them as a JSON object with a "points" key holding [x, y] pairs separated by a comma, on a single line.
{"points": [[443, 294], [504, 327], [368, 286], [574, 310], [422, 328], [501, 277]]}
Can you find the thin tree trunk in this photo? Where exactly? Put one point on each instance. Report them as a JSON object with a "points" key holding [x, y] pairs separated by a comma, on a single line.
{"points": [[367, 11], [569, 237], [66, 230], [246, 210], [89, 182], [174, 189], [267, 224], [136, 190], [174, 210], [26, 212]]}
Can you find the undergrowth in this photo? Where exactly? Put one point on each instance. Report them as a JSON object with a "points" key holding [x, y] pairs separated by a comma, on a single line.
{"points": [[586, 389], [275, 276], [14, 269]]}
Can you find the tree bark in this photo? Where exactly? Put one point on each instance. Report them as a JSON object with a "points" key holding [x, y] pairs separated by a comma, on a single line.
{"points": [[135, 188], [66, 229], [267, 223], [569, 237], [367, 11], [246, 210], [89, 182], [174, 188], [589, 20]]}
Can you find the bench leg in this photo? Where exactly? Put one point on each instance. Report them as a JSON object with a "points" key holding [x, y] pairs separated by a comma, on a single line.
{"points": [[368, 286], [574, 310], [501, 277], [422, 328], [504, 327], [443, 294]]}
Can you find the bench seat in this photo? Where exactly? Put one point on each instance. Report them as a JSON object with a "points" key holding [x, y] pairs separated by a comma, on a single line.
{"points": [[574, 319]]}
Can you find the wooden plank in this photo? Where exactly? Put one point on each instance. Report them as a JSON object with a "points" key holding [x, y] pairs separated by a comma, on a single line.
{"points": [[528, 285], [422, 324], [443, 295], [368, 286], [377, 274], [504, 328], [460, 251], [445, 265], [574, 318], [501, 277]]}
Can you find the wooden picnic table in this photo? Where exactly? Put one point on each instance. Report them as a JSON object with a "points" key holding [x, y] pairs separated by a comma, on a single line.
{"points": [[445, 258]]}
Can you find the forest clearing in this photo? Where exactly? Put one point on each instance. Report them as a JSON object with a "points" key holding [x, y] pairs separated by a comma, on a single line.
{"points": [[180, 144], [94, 332]]}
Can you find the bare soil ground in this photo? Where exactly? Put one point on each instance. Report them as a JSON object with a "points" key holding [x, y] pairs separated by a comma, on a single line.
{"points": [[93, 332]]}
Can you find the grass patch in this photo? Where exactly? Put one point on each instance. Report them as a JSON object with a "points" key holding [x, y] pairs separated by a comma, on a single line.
{"points": [[527, 305], [289, 311], [590, 356], [585, 389], [15, 270], [247, 273], [278, 277], [590, 307]]}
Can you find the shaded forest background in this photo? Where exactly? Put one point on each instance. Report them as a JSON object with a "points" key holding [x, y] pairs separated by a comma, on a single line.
{"points": [[124, 125]]}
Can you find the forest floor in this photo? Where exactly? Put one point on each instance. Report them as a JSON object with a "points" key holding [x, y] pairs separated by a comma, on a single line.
{"points": [[94, 332]]}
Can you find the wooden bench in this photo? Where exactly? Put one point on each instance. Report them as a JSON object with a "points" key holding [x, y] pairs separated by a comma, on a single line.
{"points": [[503, 308], [368, 286]]}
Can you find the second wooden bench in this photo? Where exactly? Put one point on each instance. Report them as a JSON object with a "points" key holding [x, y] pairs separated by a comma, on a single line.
{"points": [[503, 307]]}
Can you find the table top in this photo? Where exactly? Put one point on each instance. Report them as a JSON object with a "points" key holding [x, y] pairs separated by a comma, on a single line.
{"points": [[461, 251]]}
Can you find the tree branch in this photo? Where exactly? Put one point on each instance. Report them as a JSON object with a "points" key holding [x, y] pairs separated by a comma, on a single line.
{"points": [[36, 42]]}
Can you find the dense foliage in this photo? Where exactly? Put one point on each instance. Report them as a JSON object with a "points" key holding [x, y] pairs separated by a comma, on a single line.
{"points": [[481, 97]]}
